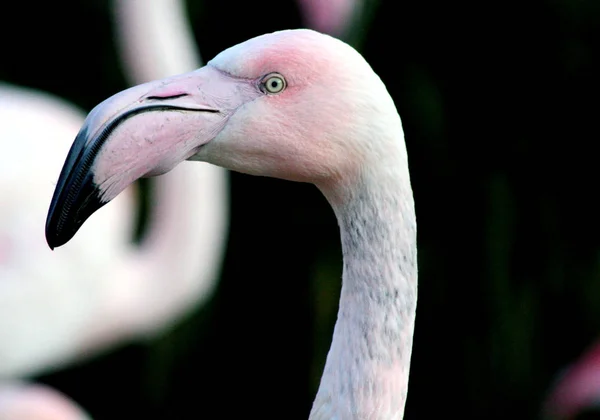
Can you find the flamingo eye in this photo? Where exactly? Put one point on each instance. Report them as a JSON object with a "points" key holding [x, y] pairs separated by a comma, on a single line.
{"points": [[273, 83]]}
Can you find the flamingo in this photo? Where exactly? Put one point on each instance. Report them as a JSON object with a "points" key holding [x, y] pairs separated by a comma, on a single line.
{"points": [[301, 106]]}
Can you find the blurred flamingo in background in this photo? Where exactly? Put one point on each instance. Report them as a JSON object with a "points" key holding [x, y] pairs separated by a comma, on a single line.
{"points": [[333, 17], [37, 402], [102, 289], [57, 308], [154, 39], [577, 389], [45, 302]]}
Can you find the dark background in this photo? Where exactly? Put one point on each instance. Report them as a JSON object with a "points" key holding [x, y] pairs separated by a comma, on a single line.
{"points": [[499, 105]]}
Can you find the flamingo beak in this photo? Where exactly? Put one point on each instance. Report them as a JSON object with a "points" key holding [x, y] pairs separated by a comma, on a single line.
{"points": [[142, 131]]}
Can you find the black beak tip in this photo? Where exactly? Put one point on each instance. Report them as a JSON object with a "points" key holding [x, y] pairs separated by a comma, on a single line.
{"points": [[51, 238], [54, 236], [50, 233], [58, 240], [67, 215]]}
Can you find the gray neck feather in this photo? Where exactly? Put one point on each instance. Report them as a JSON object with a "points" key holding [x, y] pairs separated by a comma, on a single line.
{"points": [[366, 373]]}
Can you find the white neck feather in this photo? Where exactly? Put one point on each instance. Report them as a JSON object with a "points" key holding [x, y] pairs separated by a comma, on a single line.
{"points": [[366, 373]]}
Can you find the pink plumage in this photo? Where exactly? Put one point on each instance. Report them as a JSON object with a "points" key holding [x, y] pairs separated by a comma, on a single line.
{"points": [[577, 388], [37, 402], [296, 105], [329, 16]]}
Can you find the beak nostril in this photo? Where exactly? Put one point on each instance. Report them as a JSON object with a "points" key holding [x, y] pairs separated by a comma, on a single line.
{"points": [[167, 96]]}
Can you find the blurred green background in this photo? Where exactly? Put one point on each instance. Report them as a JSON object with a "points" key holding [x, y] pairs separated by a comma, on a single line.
{"points": [[499, 105]]}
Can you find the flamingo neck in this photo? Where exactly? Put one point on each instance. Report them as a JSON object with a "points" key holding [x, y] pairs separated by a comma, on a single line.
{"points": [[366, 373], [155, 38]]}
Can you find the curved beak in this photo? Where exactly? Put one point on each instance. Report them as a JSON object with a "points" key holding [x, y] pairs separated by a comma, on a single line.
{"points": [[142, 131]]}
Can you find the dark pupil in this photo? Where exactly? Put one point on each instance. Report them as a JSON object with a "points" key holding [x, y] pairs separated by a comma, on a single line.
{"points": [[274, 84]]}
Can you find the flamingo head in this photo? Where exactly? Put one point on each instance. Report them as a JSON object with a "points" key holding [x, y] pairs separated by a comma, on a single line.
{"points": [[295, 104]]}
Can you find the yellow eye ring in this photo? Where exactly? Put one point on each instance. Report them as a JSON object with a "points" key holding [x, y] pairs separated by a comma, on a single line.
{"points": [[273, 83]]}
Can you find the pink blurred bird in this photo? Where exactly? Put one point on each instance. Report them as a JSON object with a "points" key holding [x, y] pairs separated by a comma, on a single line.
{"points": [[296, 105], [333, 17], [37, 402], [102, 289], [577, 388]]}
